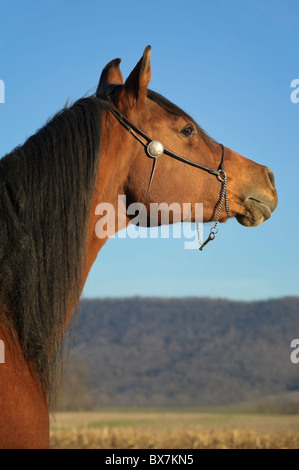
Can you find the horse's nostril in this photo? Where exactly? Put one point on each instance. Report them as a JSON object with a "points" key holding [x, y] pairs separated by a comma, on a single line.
{"points": [[271, 177]]}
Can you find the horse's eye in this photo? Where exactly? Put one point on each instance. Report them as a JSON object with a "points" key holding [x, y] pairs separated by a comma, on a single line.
{"points": [[187, 131]]}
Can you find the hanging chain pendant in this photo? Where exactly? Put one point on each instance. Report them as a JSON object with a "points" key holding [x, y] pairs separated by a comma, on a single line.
{"points": [[223, 196]]}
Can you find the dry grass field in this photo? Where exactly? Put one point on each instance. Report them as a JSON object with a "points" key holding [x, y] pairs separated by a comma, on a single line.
{"points": [[173, 429]]}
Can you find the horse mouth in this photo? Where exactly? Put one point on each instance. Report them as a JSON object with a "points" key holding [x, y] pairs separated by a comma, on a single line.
{"points": [[257, 211]]}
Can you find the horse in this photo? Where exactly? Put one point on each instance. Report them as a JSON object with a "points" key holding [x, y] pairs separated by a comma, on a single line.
{"points": [[102, 146]]}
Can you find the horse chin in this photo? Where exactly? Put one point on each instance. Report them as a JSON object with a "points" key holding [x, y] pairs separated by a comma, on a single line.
{"points": [[256, 213]]}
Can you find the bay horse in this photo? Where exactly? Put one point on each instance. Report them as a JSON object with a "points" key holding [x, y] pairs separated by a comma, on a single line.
{"points": [[50, 187]]}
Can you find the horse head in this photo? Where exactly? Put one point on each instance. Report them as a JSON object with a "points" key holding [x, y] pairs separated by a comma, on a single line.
{"points": [[153, 120]]}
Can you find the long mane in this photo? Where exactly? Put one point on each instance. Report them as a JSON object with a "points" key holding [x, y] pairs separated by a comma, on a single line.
{"points": [[46, 190]]}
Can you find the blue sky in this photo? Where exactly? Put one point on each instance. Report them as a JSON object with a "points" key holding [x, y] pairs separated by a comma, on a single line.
{"points": [[229, 64]]}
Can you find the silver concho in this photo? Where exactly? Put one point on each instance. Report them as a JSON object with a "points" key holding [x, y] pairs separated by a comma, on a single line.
{"points": [[155, 149]]}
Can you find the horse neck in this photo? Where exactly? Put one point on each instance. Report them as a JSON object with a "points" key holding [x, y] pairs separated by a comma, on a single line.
{"points": [[109, 185]]}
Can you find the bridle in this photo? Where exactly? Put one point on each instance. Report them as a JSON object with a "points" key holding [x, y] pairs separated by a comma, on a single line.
{"points": [[155, 149]]}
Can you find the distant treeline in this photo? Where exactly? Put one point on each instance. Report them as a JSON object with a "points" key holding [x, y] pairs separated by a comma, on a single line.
{"points": [[181, 352]]}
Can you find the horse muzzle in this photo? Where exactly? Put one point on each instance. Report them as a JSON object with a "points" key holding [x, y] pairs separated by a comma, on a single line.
{"points": [[259, 203]]}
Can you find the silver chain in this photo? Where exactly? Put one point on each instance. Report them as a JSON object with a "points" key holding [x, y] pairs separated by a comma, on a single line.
{"points": [[223, 197]]}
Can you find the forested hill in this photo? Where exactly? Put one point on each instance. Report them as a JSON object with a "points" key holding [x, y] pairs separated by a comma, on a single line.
{"points": [[173, 352]]}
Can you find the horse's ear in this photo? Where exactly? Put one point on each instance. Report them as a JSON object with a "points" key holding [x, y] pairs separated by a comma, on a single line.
{"points": [[137, 83], [111, 75]]}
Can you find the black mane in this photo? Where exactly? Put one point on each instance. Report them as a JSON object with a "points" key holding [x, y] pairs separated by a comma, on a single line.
{"points": [[46, 189]]}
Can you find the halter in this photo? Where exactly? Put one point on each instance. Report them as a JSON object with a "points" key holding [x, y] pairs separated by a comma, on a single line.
{"points": [[155, 149]]}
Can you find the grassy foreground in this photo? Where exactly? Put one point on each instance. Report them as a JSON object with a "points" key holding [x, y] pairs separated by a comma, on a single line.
{"points": [[173, 429]]}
